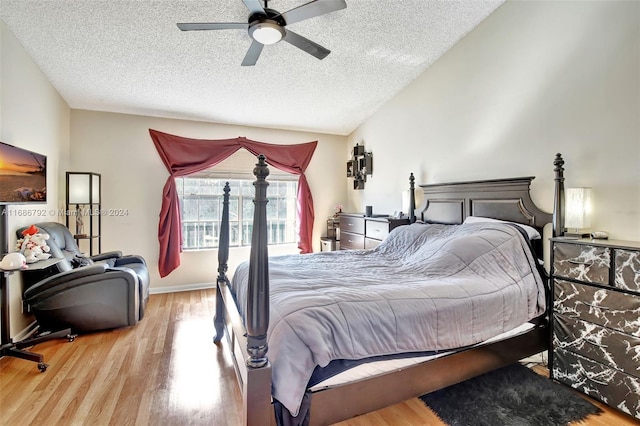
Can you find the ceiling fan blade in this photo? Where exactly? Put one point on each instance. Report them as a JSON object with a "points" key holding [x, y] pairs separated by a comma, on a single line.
{"points": [[305, 44], [253, 54], [313, 9], [213, 26], [254, 6]]}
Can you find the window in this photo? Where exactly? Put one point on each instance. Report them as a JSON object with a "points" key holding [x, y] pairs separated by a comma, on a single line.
{"points": [[201, 208]]}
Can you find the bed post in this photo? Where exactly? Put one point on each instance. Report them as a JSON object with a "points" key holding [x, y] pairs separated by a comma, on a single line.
{"points": [[258, 292], [223, 257], [412, 199], [257, 392], [558, 201]]}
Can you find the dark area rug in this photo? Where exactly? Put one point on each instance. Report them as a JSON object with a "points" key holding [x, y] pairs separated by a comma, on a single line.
{"points": [[513, 395]]}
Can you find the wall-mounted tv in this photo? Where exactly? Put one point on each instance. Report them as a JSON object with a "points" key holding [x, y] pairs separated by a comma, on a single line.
{"points": [[23, 176]]}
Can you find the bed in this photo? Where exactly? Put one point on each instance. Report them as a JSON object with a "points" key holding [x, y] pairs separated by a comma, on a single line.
{"points": [[382, 317]]}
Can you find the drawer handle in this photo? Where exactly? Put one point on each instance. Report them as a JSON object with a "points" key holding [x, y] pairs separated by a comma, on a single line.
{"points": [[350, 241], [577, 262]]}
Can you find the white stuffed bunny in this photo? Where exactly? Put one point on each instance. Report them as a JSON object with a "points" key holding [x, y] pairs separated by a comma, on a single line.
{"points": [[13, 261]]}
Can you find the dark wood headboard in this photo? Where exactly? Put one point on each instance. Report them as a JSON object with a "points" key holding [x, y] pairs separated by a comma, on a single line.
{"points": [[505, 199]]}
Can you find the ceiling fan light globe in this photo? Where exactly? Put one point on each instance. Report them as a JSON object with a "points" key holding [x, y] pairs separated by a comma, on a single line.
{"points": [[266, 32]]}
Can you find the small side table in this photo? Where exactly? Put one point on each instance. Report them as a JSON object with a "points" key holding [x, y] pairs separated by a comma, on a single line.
{"points": [[38, 271], [15, 349]]}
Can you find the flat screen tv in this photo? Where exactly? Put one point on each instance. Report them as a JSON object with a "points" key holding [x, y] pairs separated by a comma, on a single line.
{"points": [[23, 176]]}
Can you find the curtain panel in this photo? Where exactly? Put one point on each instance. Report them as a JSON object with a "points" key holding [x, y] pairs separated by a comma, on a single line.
{"points": [[184, 156]]}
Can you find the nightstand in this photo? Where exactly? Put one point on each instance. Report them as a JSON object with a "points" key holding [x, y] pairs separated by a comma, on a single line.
{"points": [[596, 319], [361, 232]]}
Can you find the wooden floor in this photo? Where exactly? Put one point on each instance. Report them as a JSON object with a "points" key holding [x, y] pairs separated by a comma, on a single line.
{"points": [[164, 371]]}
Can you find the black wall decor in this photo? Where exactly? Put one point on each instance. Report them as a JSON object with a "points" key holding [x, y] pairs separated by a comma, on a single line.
{"points": [[359, 166]]}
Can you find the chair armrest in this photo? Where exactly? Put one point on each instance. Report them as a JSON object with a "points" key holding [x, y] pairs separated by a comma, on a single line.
{"points": [[64, 277], [128, 259], [86, 299], [87, 275], [107, 255]]}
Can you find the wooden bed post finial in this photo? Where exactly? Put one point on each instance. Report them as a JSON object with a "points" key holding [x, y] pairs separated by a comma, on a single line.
{"points": [[558, 200], [258, 291], [412, 199]]}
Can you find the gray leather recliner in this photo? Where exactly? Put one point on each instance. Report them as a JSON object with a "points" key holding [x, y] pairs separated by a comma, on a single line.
{"points": [[108, 291]]}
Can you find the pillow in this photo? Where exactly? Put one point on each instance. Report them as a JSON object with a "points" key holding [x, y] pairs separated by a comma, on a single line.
{"points": [[531, 231]]}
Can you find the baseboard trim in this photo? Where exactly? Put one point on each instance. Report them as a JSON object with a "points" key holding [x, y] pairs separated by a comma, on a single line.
{"points": [[178, 288], [28, 331]]}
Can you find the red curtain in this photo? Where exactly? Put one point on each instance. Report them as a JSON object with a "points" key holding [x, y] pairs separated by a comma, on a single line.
{"points": [[184, 156]]}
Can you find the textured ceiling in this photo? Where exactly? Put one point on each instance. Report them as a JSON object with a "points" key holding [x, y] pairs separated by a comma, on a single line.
{"points": [[128, 56]]}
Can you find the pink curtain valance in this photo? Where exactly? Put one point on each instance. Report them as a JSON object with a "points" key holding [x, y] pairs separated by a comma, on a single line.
{"points": [[184, 156]]}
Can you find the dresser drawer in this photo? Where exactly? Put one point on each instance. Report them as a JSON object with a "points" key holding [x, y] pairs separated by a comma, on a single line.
{"points": [[581, 262], [377, 230], [352, 224], [370, 243], [627, 269], [594, 379], [608, 308], [351, 241], [604, 345]]}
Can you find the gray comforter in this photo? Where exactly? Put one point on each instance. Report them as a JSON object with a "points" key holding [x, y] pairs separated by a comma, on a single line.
{"points": [[426, 287]]}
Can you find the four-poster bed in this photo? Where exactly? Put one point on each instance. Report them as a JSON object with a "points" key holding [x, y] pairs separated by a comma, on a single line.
{"points": [[450, 204]]}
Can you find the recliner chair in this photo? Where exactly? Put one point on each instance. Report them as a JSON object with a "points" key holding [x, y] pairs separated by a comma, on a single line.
{"points": [[110, 291]]}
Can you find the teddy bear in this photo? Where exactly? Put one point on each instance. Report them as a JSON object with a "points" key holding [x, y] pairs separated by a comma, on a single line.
{"points": [[33, 245]]}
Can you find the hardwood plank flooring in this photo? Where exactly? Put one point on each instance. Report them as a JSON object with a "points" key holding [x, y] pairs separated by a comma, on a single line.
{"points": [[164, 371]]}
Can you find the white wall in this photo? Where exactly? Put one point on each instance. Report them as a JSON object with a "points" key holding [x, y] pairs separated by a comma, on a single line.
{"points": [[119, 147], [535, 78], [35, 117]]}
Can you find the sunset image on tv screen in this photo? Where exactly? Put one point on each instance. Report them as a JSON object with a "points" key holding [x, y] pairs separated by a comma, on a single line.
{"points": [[23, 175]]}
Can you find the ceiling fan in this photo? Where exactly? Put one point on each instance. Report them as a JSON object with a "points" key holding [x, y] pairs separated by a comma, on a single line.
{"points": [[267, 26]]}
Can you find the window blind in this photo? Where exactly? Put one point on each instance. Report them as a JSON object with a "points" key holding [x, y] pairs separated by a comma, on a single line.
{"points": [[239, 165]]}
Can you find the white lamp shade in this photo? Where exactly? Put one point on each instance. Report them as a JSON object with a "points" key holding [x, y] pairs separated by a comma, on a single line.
{"points": [[577, 208], [84, 188]]}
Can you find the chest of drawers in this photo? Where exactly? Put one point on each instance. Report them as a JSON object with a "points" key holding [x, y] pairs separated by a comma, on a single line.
{"points": [[360, 232], [596, 319]]}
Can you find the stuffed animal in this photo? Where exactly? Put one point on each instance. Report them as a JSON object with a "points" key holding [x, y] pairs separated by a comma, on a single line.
{"points": [[13, 261], [30, 230], [33, 245]]}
